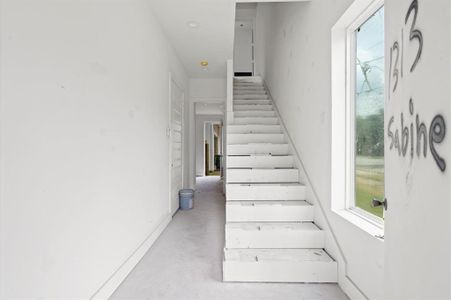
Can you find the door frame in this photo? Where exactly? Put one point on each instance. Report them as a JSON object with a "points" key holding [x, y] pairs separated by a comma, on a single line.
{"points": [[172, 79]]}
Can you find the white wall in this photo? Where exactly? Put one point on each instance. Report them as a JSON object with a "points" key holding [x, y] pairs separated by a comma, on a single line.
{"points": [[84, 151], [245, 11], [418, 228], [293, 55], [208, 89], [209, 108]]}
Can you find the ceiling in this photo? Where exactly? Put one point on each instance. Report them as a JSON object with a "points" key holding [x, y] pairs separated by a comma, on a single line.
{"points": [[212, 40]]}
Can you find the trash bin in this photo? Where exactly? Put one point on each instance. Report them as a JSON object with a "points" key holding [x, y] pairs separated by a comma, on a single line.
{"points": [[186, 199]]}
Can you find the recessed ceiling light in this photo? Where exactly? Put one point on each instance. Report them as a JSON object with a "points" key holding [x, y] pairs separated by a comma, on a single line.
{"points": [[204, 64], [192, 24]]}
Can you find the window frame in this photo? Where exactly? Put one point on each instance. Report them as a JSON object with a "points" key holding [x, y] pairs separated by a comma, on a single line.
{"points": [[343, 116], [350, 103]]}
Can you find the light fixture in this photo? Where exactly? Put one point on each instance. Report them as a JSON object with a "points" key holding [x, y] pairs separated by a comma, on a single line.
{"points": [[204, 64], [192, 24]]}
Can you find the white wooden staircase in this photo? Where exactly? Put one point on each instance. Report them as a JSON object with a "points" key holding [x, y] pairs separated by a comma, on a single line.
{"points": [[270, 231]]}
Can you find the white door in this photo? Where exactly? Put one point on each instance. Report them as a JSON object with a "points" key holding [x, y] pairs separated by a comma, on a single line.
{"points": [[176, 145], [417, 150], [243, 57]]}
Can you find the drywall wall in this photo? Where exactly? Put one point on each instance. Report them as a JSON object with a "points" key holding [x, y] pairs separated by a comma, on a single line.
{"points": [[84, 147], [208, 89], [418, 184], [209, 108], [245, 11], [293, 55]]}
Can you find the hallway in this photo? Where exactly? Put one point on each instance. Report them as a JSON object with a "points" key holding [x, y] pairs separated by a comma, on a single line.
{"points": [[185, 262]]}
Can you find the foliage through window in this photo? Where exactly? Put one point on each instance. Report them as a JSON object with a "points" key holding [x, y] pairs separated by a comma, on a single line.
{"points": [[369, 113]]}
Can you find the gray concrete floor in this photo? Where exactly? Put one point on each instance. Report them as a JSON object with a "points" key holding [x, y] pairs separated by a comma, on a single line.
{"points": [[186, 260]]}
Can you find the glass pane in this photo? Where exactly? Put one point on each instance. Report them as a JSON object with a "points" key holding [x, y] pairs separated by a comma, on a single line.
{"points": [[369, 113]]}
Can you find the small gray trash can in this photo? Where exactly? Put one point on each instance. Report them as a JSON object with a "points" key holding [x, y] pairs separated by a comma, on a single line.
{"points": [[186, 199]]}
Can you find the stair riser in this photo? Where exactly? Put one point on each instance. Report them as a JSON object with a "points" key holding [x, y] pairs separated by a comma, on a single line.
{"points": [[248, 84], [252, 101], [250, 113], [239, 212], [262, 175], [250, 149], [251, 107], [320, 272], [247, 92], [246, 138], [256, 120], [260, 161], [248, 88], [254, 129], [251, 96], [236, 192], [274, 239]]}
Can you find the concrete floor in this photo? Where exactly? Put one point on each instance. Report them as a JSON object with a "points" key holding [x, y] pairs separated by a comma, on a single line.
{"points": [[186, 261]]}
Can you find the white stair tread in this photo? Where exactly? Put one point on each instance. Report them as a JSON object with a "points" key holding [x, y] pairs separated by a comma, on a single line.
{"points": [[263, 168], [259, 134], [269, 203], [251, 97], [239, 91], [251, 101], [257, 148], [265, 191], [268, 184], [256, 120], [269, 211], [245, 138], [272, 226], [279, 265], [254, 113], [262, 175], [263, 161], [253, 107], [254, 129], [274, 235], [288, 255]]}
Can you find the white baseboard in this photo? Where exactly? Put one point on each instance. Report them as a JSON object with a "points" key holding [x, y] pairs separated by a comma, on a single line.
{"points": [[108, 288], [350, 289]]}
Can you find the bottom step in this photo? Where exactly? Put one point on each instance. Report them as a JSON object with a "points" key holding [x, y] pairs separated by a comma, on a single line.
{"points": [[278, 265]]}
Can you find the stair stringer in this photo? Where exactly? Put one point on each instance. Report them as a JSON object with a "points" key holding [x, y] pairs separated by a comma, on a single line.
{"points": [[332, 245]]}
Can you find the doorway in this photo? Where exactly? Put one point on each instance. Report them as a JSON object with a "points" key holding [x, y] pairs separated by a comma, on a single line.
{"points": [[213, 148], [176, 143], [243, 57]]}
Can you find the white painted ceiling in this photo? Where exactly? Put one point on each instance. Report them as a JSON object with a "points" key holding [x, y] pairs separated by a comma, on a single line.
{"points": [[212, 40]]}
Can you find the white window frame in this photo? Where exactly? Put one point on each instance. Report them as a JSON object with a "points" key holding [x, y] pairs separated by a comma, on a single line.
{"points": [[343, 117]]}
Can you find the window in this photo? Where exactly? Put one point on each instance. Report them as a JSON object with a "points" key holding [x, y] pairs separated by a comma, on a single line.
{"points": [[367, 99], [358, 114]]}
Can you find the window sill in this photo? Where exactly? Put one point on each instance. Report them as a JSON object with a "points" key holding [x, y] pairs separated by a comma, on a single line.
{"points": [[371, 228]]}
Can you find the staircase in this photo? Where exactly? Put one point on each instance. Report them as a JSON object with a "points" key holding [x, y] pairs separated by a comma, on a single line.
{"points": [[270, 231]]}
